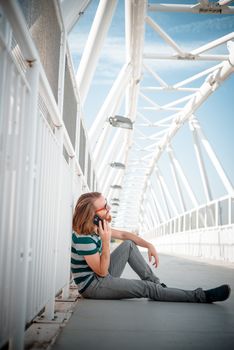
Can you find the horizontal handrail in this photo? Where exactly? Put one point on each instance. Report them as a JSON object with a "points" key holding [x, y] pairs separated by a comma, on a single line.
{"points": [[169, 227]]}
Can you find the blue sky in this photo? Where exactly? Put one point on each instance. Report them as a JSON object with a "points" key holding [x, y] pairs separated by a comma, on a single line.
{"points": [[190, 31]]}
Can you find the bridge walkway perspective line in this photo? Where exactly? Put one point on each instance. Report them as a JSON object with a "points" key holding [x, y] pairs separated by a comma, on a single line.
{"points": [[140, 323]]}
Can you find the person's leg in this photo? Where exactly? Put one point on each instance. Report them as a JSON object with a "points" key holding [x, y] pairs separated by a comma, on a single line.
{"points": [[110, 287], [128, 252]]}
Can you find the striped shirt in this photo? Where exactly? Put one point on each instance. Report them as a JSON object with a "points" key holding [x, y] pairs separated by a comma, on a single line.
{"points": [[83, 245]]}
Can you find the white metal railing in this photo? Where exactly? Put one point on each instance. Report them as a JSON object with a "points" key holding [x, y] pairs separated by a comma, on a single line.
{"points": [[39, 184], [219, 212]]}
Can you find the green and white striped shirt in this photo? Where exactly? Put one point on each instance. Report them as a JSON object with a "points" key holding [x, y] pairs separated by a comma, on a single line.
{"points": [[83, 245]]}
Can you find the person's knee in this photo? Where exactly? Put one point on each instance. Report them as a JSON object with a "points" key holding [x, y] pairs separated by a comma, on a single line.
{"points": [[129, 243]]}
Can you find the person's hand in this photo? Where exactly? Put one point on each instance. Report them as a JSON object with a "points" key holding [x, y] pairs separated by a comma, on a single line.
{"points": [[152, 253], [105, 231]]}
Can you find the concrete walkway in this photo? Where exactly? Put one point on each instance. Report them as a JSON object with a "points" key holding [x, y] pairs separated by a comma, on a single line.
{"points": [[142, 324]]}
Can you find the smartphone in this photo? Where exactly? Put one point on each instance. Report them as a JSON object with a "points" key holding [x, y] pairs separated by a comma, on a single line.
{"points": [[97, 219]]}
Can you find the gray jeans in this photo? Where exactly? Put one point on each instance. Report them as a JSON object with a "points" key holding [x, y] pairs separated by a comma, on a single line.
{"points": [[114, 287]]}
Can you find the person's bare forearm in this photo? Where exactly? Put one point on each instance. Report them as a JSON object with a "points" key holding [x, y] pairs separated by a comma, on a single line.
{"points": [[124, 235], [136, 239], [105, 258]]}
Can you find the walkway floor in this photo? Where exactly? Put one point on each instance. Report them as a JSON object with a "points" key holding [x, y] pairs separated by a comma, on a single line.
{"points": [[142, 324]]}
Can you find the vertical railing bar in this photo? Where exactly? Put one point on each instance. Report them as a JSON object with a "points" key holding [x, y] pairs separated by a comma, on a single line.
{"points": [[15, 201], [48, 232], [31, 285], [47, 228], [4, 96], [46, 199], [229, 209], [36, 244], [6, 199], [38, 224], [5, 102], [51, 211], [42, 207]]}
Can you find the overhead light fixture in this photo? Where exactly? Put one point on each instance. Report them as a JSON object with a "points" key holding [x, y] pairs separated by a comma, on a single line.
{"points": [[114, 211], [117, 165], [116, 204], [121, 122], [115, 199], [116, 187]]}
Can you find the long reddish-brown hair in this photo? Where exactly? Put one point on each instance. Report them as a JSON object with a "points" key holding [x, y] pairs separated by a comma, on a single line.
{"points": [[84, 212]]}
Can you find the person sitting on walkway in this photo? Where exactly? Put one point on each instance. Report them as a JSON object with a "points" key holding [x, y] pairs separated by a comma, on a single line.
{"points": [[97, 272]]}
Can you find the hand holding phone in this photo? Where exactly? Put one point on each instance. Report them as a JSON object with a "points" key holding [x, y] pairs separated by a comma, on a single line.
{"points": [[97, 219], [104, 228]]}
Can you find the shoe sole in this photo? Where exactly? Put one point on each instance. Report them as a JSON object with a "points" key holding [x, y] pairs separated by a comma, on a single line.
{"points": [[228, 294], [229, 291]]}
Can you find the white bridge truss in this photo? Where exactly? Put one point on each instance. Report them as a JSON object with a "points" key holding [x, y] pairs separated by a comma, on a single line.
{"points": [[142, 150], [48, 157]]}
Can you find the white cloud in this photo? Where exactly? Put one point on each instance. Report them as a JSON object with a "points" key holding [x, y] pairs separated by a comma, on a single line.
{"points": [[113, 48], [209, 26], [111, 59], [112, 55]]}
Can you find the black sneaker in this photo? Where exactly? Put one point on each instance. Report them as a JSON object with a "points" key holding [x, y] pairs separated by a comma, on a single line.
{"points": [[218, 294], [163, 285]]}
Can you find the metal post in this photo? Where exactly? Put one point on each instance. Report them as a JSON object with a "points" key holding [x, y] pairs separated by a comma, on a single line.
{"points": [[162, 195], [99, 147], [161, 213], [176, 180], [61, 71], [154, 211], [184, 180], [72, 10], [155, 208], [117, 90], [93, 46], [166, 191], [194, 125], [223, 177], [150, 214], [229, 210]]}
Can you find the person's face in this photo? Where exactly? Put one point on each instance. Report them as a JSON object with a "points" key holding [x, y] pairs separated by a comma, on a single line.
{"points": [[102, 208]]}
